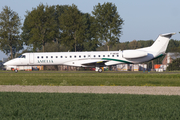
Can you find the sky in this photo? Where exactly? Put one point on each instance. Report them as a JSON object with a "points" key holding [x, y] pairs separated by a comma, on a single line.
{"points": [[143, 19]]}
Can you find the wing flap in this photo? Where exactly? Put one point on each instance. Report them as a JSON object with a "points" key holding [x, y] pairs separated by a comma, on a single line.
{"points": [[86, 63], [95, 63]]}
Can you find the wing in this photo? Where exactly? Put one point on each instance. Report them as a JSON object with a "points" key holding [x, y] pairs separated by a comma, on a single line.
{"points": [[99, 63], [87, 63]]}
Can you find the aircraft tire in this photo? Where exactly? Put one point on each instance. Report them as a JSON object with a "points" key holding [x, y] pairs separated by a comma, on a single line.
{"points": [[15, 70], [100, 70]]}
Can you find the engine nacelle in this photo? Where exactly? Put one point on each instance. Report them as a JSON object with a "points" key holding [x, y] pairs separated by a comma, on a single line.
{"points": [[133, 54]]}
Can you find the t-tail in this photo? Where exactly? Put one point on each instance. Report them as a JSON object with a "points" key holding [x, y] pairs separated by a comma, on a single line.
{"points": [[160, 45]]}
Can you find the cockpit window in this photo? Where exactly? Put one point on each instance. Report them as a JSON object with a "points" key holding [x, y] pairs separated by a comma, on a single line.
{"points": [[23, 56], [20, 56]]}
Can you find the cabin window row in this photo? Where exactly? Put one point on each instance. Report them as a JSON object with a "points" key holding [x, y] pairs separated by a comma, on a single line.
{"points": [[76, 56]]}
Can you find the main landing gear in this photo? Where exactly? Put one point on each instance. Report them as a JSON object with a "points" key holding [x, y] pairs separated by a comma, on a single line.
{"points": [[98, 69]]}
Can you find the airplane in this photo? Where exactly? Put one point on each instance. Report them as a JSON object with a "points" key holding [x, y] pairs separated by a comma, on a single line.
{"points": [[96, 59]]}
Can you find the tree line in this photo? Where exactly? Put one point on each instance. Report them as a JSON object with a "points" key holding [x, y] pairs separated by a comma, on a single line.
{"points": [[64, 25]]}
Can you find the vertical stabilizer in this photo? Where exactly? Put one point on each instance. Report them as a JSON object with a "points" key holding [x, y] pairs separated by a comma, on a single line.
{"points": [[159, 46], [161, 43]]}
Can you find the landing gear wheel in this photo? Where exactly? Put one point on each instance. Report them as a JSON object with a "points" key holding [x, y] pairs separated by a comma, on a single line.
{"points": [[15, 70], [100, 70]]}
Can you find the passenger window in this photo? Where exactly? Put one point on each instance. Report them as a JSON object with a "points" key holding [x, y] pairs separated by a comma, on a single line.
{"points": [[56, 56], [108, 55], [46, 56], [70, 56], [117, 55], [61, 56], [41, 56], [94, 55], [51, 56], [89, 56], [79, 56], [74, 56], [112, 55], [38, 57], [65, 56], [103, 55], [84, 56], [99, 56]]}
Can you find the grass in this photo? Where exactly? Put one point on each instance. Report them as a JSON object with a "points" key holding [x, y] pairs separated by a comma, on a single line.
{"points": [[14, 105], [89, 78], [87, 106]]}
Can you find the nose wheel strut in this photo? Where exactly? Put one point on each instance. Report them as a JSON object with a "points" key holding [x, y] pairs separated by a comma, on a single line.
{"points": [[15, 70]]}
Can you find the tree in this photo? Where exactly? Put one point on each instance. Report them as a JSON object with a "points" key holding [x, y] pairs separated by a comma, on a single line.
{"points": [[73, 26], [145, 43], [173, 46], [59, 10], [175, 65], [134, 44], [15, 49], [91, 41], [40, 27], [55, 47], [121, 46], [10, 25], [109, 23]]}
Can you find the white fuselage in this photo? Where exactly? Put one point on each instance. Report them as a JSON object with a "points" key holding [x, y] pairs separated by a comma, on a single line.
{"points": [[94, 59], [80, 59]]}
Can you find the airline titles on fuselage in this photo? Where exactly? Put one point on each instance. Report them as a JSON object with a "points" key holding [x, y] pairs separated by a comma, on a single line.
{"points": [[45, 61]]}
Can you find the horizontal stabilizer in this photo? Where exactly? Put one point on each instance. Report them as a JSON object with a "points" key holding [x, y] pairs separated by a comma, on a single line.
{"points": [[133, 54], [168, 35]]}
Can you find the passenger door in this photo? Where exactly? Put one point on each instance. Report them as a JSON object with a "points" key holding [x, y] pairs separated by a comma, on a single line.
{"points": [[31, 58]]}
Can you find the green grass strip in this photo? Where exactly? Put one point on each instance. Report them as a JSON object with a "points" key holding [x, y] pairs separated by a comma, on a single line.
{"points": [[88, 106], [90, 78]]}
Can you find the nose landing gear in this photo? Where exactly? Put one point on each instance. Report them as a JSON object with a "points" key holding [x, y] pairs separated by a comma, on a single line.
{"points": [[15, 70]]}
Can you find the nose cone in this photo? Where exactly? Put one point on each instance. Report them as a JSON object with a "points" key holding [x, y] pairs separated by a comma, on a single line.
{"points": [[12, 62], [5, 64], [8, 63]]}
